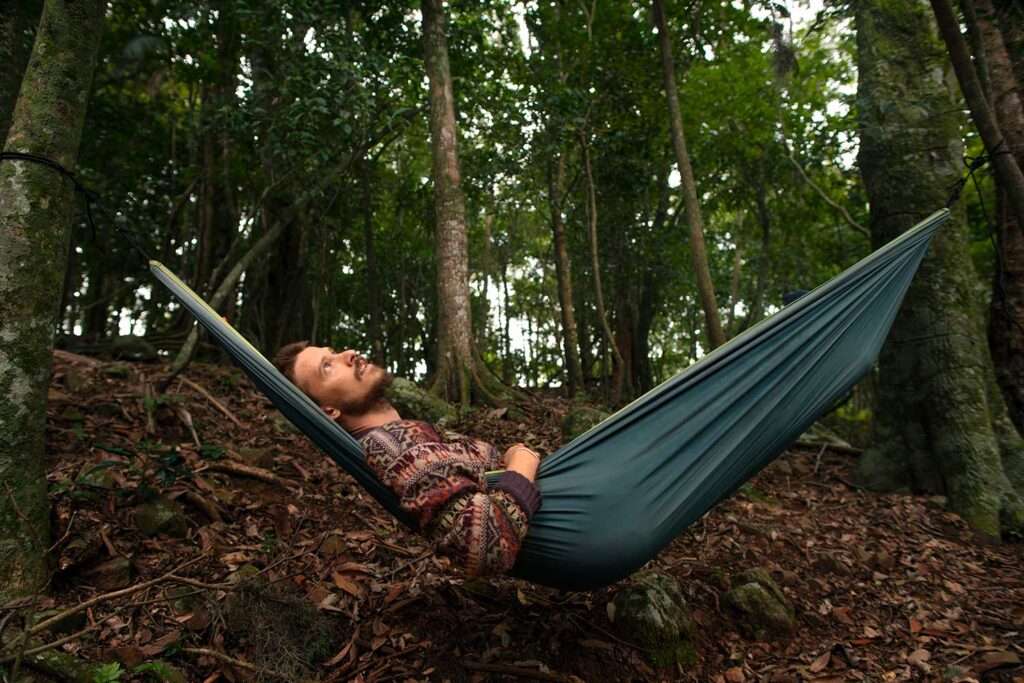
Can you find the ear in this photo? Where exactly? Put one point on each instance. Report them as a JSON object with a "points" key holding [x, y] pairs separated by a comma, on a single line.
{"points": [[332, 412]]}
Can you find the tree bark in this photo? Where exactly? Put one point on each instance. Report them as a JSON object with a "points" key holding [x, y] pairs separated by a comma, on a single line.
{"points": [[937, 420], [1006, 313], [705, 286], [373, 284], [18, 20], [1008, 172], [595, 264], [35, 215], [459, 375], [563, 272]]}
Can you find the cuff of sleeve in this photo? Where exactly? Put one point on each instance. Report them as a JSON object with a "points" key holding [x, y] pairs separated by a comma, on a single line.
{"points": [[524, 491]]}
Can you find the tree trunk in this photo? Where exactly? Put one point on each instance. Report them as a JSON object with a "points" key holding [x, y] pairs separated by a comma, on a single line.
{"points": [[1006, 319], [937, 425], [1008, 172], [18, 21], [373, 285], [220, 295], [595, 265], [35, 215], [563, 272], [705, 286], [459, 374]]}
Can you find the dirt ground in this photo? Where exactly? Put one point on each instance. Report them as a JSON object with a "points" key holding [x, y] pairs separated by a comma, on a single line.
{"points": [[285, 570]]}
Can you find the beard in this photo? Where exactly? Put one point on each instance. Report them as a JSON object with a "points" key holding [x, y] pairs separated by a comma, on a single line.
{"points": [[373, 398]]}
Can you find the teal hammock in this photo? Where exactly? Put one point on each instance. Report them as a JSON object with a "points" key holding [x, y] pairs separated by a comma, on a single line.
{"points": [[618, 494]]}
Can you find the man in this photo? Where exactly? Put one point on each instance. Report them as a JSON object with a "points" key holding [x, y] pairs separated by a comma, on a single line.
{"points": [[438, 478]]}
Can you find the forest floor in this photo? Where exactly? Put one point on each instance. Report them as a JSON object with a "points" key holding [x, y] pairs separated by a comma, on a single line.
{"points": [[885, 587]]}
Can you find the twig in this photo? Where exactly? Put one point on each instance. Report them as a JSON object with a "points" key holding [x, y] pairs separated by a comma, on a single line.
{"points": [[838, 448], [817, 460], [232, 467], [373, 662], [518, 671], [60, 616], [51, 645], [209, 397], [65, 535], [235, 662], [409, 563]]}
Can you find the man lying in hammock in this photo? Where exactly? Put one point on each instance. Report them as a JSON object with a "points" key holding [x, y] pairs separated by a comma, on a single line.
{"points": [[439, 478]]}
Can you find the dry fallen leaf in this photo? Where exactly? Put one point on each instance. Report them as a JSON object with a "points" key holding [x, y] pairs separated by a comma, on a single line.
{"points": [[821, 662]]}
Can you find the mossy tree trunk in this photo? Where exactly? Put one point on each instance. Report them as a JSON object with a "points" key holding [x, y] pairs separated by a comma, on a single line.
{"points": [[35, 214], [18, 21], [940, 426], [1006, 316], [460, 375]]}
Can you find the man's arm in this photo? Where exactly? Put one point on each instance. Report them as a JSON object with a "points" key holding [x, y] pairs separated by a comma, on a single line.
{"points": [[445, 490]]}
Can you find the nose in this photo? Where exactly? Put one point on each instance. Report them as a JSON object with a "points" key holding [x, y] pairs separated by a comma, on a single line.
{"points": [[348, 356]]}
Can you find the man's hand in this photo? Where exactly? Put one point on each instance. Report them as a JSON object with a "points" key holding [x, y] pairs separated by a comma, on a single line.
{"points": [[522, 460]]}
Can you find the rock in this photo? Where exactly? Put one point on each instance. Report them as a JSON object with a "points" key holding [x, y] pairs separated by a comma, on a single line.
{"points": [[762, 608], [98, 476], [653, 613], [117, 370], [415, 403], [161, 516], [579, 420], [130, 347], [110, 575]]}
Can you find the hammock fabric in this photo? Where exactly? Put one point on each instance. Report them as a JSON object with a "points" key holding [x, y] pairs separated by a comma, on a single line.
{"points": [[618, 494]]}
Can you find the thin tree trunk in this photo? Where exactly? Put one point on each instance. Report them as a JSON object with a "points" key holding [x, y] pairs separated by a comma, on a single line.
{"points": [[595, 264], [1008, 172], [373, 285], [35, 218], [705, 286], [218, 298], [563, 272], [1006, 313], [458, 373]]}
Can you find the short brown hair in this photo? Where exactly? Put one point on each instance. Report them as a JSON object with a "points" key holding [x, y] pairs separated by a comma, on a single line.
{"points": [[284, 359]]}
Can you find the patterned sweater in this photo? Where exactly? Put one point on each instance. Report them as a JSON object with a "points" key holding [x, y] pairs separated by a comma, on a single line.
{"points": [[439, 478]]}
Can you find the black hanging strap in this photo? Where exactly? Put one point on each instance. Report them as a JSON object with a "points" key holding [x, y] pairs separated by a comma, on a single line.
{"points": [[89, 196]]}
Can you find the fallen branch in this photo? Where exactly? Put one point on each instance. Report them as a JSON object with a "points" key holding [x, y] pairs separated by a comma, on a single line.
{"points": [[241, 469], [209, 397], [242, 664], [49, 646], [838, 448], [518, 671], [60, 616]]}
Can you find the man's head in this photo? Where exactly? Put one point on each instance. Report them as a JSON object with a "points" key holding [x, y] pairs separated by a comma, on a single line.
{"points": [[344, 384]]}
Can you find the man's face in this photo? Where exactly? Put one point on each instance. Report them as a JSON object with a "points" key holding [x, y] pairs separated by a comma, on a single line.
{"points": [[342, 382]]}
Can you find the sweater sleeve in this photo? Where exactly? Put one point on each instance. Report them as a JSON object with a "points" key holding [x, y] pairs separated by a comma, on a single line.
{"points": [[446, 492]]}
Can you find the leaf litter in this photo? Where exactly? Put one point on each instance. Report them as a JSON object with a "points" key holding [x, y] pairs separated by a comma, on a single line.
{"points": [[299, 575]]}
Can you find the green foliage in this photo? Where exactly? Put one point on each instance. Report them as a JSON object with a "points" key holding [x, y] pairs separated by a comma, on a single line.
{"points": [[108, 673], [314, 113]]}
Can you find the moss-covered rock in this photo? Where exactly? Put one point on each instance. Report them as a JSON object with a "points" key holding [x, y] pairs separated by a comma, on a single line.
{"points": [[415, 403], [579, 420], [111, 575], [653, 613], [763, 612], [161, 516]]}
